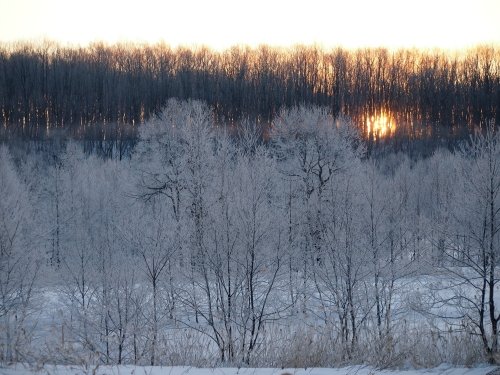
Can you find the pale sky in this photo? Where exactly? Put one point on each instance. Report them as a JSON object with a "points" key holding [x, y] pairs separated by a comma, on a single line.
{"points": [[222, 23]]}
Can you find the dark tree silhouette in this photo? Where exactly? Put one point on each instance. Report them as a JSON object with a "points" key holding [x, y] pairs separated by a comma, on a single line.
{"points": [[44, 87]]}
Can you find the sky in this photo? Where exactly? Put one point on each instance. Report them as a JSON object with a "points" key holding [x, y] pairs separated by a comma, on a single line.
{"points": [[219, 24]]}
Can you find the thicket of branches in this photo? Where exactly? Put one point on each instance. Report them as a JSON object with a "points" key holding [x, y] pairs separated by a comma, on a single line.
{"points": [[47, 86], [204, 249]]}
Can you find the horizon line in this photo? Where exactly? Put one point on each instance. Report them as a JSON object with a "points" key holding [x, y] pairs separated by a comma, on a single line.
{"points": [[46, 42]]}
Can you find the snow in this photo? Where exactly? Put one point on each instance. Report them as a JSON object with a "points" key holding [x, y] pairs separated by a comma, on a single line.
{"points": [[444, 369]]}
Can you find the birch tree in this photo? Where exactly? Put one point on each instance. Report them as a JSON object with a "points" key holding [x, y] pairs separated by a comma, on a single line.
{"points": [[472, 254], [19, 263]]}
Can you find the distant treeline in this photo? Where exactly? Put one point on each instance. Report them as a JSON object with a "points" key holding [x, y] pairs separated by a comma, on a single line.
{"points": [[46, 86]]}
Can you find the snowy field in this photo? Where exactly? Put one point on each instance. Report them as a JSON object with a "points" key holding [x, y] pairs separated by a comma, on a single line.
{"points": [[157, 370]]}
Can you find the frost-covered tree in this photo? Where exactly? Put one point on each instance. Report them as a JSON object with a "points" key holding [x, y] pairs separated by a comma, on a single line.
{"points": [[313, 148], [473, 251], [218, 277], [376, 235], [262, 251], [19, 263], [381, 228], [152, 238], [340, 277]]}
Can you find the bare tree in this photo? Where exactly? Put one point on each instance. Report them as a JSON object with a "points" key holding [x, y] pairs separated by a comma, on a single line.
{"points": [[19, 263], [472, 253], [152, 237]]}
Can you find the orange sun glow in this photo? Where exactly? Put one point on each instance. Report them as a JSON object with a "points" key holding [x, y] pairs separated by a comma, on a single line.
{"points": [[380, 126]]}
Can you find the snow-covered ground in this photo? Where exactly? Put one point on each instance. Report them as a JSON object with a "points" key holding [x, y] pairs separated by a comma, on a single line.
{"points": [[157, 370]]}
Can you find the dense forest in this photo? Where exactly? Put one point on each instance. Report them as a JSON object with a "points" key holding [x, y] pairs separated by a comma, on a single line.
{"points": [[249, 223], [205, 249], [103, 91]]}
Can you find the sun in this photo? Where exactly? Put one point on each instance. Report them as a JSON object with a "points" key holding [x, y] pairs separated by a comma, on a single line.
{"points": [[380, 126]]}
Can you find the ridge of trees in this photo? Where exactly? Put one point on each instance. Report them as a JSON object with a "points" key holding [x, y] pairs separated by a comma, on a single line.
{"points": [[45, 87]]}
